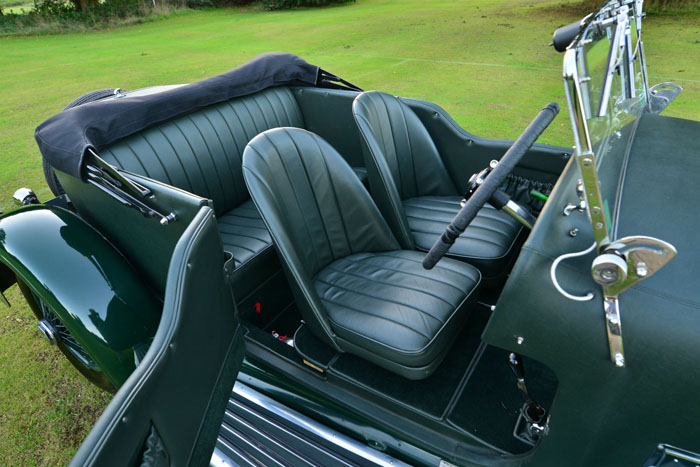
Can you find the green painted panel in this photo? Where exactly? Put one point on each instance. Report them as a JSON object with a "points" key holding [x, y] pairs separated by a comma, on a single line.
{"points": [[85, 281]]}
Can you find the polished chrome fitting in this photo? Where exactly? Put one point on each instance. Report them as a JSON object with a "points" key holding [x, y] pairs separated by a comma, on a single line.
{"points": [[48, 331]]}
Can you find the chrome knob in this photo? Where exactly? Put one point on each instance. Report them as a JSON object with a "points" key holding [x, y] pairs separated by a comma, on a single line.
{"points": [[608, 269], [25, 197], [569, 208]]}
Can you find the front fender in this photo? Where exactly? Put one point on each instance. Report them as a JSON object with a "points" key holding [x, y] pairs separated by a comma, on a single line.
{"points": [[84, 281]]}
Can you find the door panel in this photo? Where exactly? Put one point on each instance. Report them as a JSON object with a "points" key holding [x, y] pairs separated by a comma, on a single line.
{"points": [[171, 407]]}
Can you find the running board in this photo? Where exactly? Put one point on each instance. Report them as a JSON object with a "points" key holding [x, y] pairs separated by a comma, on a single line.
{"points": [[258, 430]]}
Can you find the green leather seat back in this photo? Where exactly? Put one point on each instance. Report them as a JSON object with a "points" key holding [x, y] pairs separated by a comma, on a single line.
{"points": [[416, 195], [315, 208], [201, 152], [401, 159]]}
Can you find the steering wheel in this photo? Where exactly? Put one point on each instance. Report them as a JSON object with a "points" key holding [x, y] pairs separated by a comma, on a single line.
{"points": [[483, 191]]}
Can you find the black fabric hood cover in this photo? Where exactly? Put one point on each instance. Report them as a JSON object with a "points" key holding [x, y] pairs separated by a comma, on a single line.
{"points": [[64, 138]]}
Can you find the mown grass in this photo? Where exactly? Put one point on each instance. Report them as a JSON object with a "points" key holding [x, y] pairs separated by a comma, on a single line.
{"points": [[486, 62]]}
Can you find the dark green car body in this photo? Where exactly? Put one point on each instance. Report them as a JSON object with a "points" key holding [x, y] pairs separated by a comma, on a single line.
{"points": [[162, 314]]}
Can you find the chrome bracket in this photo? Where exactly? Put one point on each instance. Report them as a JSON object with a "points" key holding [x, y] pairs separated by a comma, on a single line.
{"points": [[661, 95], [613, 325], [588, 187], [621, 263], [112, 182], [25, 197], [618, 267], [593, 198]]}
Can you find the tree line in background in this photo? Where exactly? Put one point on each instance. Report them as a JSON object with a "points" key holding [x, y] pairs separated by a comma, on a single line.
{"points": [[55, 16], [84, 5]]}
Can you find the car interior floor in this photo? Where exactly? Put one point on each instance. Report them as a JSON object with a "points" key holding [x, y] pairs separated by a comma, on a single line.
{"points": [[473, 393]]}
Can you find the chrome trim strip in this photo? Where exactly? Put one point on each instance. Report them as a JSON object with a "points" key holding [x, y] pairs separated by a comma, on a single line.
{"points": [[572, 88], [219, 459], [616, 46], [309, 425], [613, 326]]}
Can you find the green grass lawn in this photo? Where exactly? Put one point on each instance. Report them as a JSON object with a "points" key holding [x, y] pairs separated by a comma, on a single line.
{"points": [[486, 62]]}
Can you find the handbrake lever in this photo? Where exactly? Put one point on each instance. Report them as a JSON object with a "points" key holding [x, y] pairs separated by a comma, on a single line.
{"points": [[534, 414]]}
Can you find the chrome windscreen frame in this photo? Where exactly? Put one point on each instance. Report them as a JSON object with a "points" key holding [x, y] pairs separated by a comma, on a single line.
{"points": [[620, 262], [583, 149], [619, 19]]}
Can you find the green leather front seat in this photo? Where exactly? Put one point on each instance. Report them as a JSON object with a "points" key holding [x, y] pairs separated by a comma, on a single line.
{"points": [[415, 193], [354, 286]]}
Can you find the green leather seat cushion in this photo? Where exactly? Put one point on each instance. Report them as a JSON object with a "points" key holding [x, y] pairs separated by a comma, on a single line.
{"points": [[488, 243], [244, 235], [389, 305]]}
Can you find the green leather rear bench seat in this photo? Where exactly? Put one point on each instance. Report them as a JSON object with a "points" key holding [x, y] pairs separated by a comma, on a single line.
{"points": [[355, 287], [201, 153], [415, 193]]}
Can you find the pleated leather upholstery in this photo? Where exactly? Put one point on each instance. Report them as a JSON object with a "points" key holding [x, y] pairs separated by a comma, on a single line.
{"points": [[408, 179], [355, 289], [488, 243], [244, 235], [202, 153], [408, 151], [307, 191], [388, 304], [401, 158], [243, 232]]}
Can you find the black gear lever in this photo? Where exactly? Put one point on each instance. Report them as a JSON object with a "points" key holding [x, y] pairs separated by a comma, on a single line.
{"points": [[533, 412]]}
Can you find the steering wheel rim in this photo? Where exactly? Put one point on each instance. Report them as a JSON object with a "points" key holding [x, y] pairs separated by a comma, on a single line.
{"points": [[491, 184]]}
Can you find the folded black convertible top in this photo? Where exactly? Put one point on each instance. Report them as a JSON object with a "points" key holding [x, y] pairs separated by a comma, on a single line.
{"points": [[64, 138]]}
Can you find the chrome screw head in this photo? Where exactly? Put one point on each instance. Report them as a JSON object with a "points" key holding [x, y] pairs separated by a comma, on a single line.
{"points": [[641, 269], [619, 360]]}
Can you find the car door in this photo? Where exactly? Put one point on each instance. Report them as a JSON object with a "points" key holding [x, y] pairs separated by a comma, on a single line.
{"points": [[169, 410]]}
